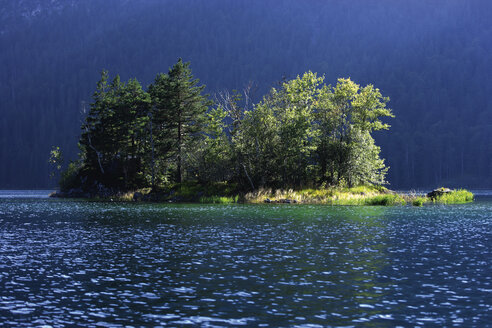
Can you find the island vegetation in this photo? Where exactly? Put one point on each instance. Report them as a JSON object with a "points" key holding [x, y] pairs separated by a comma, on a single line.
{"points": [[305, 141]]}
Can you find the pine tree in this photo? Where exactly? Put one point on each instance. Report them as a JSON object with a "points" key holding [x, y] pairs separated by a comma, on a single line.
{"points": [[178, 111], [114, 133], [95, 140], [131, 109]]}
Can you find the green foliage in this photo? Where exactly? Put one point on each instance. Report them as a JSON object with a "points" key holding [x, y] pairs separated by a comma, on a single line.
{"points": [[178, 117], [346, 117], [361, 195], [194, 191], [55, 160], [212, 158], [113, 140], [69, 178], [366, 189], [219, 199], [187, 190], [302, 134], [460, 196], [307, 133], [386, 200], [419, 201], [132, 139]]}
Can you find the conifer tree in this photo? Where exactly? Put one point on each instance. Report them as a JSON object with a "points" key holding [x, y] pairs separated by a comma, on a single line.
{"points": [[113, 134], [178, 111]]}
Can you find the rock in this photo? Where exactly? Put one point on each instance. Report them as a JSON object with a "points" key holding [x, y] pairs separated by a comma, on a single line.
{"points": [[438, 192], [138, 196], [279, 201], [58, 194]]}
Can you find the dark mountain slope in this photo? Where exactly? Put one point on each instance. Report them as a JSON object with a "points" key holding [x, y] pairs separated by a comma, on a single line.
{"points": [[431, 57]]}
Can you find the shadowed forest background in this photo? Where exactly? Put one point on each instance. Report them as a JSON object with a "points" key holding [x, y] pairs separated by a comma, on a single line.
{"points": [[432, 58]]}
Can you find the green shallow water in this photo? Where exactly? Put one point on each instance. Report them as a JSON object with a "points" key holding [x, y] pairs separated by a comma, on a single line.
{"points": [[81, 263]]}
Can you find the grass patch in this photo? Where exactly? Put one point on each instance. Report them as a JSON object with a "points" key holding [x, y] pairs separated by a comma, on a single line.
{"points": [[224, 193], [419, 201], [129, 195], [386, 200], [360, 195], [126, 197], [365, 189], [219, 192], [460, 196], [219, 199]]}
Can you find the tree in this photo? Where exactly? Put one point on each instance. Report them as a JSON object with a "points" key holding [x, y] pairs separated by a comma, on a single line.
{"points": [[346, 117], [213, 158], [131, 109], [302, 133], [307, 133], [277, 136], [96, 130], [234, 107], [113, 141], [179, 109]]}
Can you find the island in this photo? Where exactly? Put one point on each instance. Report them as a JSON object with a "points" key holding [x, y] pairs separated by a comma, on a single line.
{"points": [[304, 142]]}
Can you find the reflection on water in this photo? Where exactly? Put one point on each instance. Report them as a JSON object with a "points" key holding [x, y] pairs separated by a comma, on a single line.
{"points": [[83, 263]]}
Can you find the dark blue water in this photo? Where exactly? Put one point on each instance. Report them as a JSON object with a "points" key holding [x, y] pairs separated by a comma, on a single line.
{"points": [[80, 263]]}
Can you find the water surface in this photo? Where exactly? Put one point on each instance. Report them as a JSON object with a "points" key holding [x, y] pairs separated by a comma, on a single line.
{"points": [[81, 263]]}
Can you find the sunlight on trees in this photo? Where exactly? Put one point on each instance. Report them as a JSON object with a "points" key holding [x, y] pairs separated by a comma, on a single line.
{"points": [[303, 133]]}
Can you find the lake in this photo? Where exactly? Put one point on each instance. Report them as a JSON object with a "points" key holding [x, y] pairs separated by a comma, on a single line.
{"points": [[83, 263]]}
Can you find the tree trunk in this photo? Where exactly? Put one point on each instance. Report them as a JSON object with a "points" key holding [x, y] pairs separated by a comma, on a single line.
{"points": [[249, 178], [95, 150], [153, 156], [178, 176]]}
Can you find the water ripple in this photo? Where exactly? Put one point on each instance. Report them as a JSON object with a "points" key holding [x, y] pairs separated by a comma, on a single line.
{"points": [[66, 263]]}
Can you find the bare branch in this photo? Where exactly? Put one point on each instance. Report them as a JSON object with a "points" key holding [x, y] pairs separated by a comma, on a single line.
{"points": [[98, 154]]}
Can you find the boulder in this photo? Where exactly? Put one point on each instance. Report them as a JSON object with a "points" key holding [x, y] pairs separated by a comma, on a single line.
{"points": [[58, 194], [438, 192]]}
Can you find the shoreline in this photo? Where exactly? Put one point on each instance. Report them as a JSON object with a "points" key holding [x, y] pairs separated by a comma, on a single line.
{"points": [[356, 196]]}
